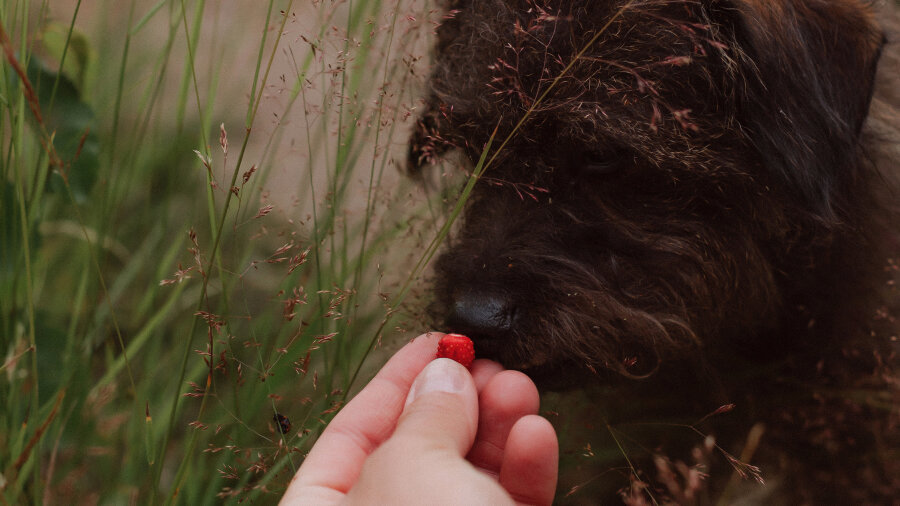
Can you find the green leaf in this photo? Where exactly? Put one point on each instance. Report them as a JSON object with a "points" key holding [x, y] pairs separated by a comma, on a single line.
{"points": [[11, 247], [71, 124], [78, 54], [51, 346], [10, 229]]}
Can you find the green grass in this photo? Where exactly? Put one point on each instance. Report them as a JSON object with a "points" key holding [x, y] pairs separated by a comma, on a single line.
{"points": [[156, 311]]}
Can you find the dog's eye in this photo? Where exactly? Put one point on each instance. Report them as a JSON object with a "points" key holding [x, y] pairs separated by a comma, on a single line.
{"points": [[601, 167], [605, 161]]}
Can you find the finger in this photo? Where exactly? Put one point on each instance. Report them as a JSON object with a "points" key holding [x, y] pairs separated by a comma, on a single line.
{"points": [[422, 461], [482, 372], [333, 464], [442, 407], [531, 461], [507, 397]]}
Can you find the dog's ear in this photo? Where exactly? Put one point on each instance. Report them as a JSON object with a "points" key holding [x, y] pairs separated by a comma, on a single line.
{"points": [[426, 142], [429, 138], [812, 71]]}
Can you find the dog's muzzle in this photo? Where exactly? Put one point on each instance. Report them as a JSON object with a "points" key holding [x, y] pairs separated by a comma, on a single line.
{"points": [[481, 315]]}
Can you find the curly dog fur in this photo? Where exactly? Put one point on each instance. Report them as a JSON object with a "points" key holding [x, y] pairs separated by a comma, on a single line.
{"points": [[692, 208]]}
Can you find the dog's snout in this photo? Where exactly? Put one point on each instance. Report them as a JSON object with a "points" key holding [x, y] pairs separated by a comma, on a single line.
{"points": [[481, 315]]}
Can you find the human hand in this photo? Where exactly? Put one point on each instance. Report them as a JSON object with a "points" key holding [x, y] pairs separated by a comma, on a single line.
{"points": [[427, 431]]}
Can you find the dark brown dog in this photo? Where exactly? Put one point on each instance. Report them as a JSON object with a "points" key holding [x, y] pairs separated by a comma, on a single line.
{"points": [[692, 210]]}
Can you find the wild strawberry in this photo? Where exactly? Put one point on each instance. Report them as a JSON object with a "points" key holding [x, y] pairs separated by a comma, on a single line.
{"points": [[457, 347]]}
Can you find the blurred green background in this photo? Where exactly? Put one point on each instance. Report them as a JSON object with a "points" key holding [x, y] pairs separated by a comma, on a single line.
{"points": [[204, 222]]}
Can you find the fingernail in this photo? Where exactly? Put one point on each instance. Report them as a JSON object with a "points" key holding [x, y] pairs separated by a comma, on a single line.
{"points": [[440, 375]]}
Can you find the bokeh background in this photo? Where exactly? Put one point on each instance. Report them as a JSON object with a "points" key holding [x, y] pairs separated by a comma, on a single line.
{"points": [[205, 223]]}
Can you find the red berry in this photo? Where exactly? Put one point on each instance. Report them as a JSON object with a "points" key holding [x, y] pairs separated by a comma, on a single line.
{"points": [[457, 347]]}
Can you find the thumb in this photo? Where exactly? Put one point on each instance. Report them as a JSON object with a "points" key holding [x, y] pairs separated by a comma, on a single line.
{"points": [[423, 460], [441, 409]]}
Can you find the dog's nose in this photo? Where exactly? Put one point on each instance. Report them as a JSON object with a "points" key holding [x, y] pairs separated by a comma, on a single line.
{"points": [[485, 315]]}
